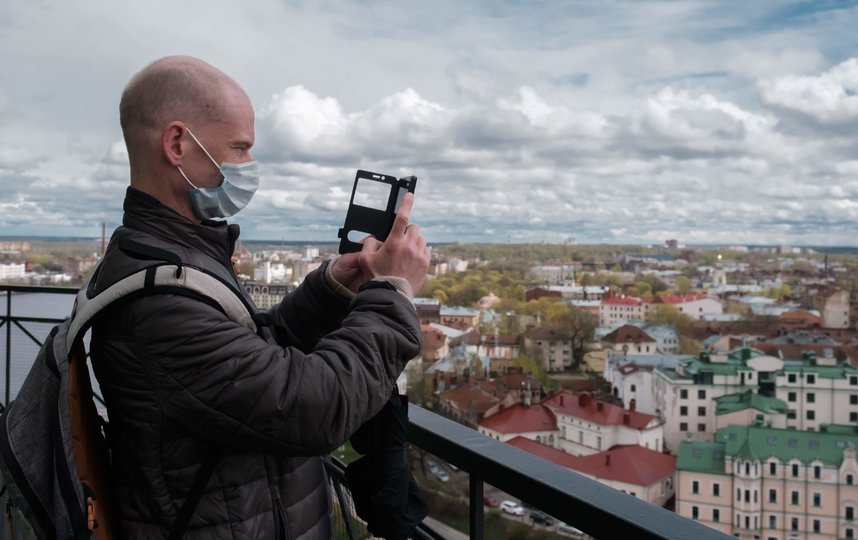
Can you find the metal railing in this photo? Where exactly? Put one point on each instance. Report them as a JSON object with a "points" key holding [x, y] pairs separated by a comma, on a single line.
{"points": [[596, 509]]}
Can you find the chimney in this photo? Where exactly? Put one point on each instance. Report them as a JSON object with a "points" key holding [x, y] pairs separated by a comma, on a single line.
{"points": [[600, 406], [627, 418], [607, 460], [632, 405], [583, 399], [561, 400]]}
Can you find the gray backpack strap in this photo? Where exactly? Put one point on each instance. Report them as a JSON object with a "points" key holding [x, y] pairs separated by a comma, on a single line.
{"points": [[154, 279]]}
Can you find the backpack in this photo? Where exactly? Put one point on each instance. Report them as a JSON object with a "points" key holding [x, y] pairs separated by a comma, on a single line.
{"points": [[54, 453]]}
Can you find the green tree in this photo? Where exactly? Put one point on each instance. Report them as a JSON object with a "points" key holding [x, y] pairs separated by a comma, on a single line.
{"points": [[683, 285]]}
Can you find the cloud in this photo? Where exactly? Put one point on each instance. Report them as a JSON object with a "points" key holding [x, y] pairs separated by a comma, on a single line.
{"points": [[828, 99]]}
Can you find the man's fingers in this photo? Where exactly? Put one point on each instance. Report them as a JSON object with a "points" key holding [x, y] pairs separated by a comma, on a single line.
{"points": [[403, 215], [370, 244]]}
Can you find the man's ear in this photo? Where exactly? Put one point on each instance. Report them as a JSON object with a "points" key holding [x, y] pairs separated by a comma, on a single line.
{"points": [[173, 143]]}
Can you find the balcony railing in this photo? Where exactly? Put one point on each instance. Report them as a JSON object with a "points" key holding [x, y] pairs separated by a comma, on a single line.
{"points": [[597, 510]]}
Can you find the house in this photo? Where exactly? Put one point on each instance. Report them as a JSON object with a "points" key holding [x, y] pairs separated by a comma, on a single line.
{"points": [[638, 471], [631, 378], [631, 340], [460, 317], [556, 348], [833, 305], [428, 310], [588, 426], [763, 482], [531, 422]]}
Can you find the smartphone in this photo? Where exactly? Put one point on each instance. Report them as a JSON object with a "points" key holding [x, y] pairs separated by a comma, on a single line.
{"points": [[372, 208]]}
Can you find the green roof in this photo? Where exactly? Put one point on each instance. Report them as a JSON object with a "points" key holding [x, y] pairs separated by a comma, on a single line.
{"points": [[701, 456], [756, 442], [749, 400]]}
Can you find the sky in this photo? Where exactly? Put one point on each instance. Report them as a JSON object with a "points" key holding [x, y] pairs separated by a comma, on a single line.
{"points": [[609, 121]]}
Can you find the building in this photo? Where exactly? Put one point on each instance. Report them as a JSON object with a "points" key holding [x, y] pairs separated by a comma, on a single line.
{"points": [[428, 310], [588, 426], [265, 296], [833, 305], [776, 484], [631, 378], [536, 423], [748, 408], [638, 471], [459, 317], [817, 390], [12, 270], [556, 348], [621, 308], [630, 339], [696, 306]]}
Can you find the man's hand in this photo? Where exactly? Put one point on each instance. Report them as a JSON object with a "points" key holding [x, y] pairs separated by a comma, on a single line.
{"points": [[404, 254]]}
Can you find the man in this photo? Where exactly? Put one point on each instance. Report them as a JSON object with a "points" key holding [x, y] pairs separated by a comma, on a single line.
{"points": [[184, 385]]}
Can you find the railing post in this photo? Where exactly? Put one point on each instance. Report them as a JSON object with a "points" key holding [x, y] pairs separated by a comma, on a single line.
{"points": [[476, 511], [8, 345]]}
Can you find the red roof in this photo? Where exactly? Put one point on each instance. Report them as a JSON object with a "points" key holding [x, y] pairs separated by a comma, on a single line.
{"points": [[622, 300], [631, 464], [463, 396], [521, 419], [628, 334], [680, 298], [599, 412]]}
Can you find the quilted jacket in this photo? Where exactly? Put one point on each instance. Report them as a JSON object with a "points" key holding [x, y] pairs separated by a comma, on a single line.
{"points": [[182, 382]]}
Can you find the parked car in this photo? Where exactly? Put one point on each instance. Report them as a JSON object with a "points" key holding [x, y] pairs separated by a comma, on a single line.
{"points": [[512, 507], [440, 474], [490, 501], [565, 528], [541, 518]]}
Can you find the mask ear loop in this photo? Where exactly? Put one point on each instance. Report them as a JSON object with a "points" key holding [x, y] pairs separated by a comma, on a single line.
{"points": [[191, 133], [186, 177]]}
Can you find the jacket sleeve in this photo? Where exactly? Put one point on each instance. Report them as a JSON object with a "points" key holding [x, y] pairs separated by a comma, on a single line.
{"points": [[311, 311], [226, 384]]}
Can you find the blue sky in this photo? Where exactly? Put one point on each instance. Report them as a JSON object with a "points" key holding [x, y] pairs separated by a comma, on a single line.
{"points": [[606, 122]]}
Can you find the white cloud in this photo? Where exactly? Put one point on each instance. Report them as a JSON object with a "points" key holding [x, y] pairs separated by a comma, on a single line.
{"points": [[831, 98]]}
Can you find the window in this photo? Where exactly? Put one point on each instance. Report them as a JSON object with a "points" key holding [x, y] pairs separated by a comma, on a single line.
{"points": [[849, 479], [773, 522], [773, 469], [791, 414], [810, 415], [695, 512], [599, 443], [701, 427], [811, 378], [683, 411], [853, 380], [791, 396], [853, 399], [850, 512], [817, 500], [853, 417], [817, 471], [633, 388], [850, 533], [738, 494], [580, 436], [701, 394], [716, 515], [795, 470], [794, 498], [810, 397], [773, 495], [683, 394], [747, 469], [683, 426], [791, 377], [794, 524], [756, 497], [701, 411], [747, 495], [716, 490], [816, 525]]}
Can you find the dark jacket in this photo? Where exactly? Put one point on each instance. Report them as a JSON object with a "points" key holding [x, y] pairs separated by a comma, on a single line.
{"points": [[182, 382]]}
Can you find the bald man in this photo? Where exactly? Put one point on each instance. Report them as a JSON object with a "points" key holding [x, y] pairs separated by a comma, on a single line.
{"points": [[194, 397]]}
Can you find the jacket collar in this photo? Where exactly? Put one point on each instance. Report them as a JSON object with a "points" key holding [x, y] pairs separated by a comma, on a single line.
{"points": [[145, 213]]}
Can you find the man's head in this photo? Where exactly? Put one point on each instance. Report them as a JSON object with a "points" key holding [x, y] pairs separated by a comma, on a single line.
{"points": [[158, 108]]}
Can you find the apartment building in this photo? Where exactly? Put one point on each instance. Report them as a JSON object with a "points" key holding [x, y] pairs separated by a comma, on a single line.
{"points": [[758, 482], [588, 426], [817, 390]]}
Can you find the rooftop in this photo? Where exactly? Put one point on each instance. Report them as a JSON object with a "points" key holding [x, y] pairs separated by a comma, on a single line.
{"points": [[583, 406], [521, 419], [749, 400]]}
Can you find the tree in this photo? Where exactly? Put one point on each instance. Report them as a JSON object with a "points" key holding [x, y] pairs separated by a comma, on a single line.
{"points": [[667, 314], [683, 285]]}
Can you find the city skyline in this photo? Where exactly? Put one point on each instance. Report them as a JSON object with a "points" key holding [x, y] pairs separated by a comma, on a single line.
{"points": [[617, 123]]}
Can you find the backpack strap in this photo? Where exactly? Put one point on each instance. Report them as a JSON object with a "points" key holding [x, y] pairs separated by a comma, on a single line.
{"points": [[161, 278]]}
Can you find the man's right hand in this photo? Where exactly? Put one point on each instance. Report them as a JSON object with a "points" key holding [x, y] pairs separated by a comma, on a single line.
{"points": [[404, 253]]}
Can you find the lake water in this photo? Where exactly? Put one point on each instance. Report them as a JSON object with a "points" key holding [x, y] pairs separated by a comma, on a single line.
{"points": [[23, 348]]}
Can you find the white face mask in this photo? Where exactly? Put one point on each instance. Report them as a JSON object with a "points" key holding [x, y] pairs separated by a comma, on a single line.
{"points": [[240, 182]]}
